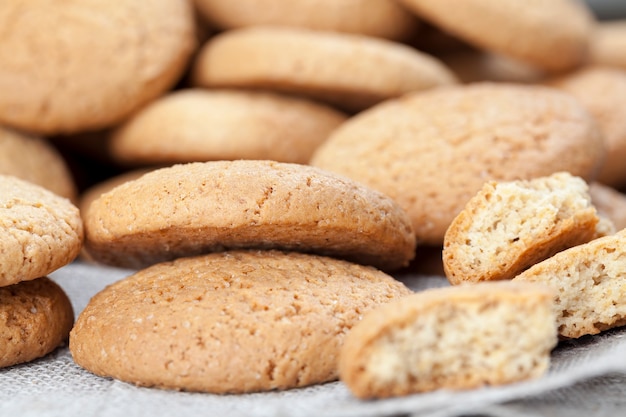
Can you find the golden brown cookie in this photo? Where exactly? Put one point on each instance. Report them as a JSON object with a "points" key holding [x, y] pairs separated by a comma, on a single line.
{"points": [[82, 65], [588, 285], [451, 338], [35, 318], [39, 231], [432, 151], [608, 44], [350, 71], [610, 203], [201, 207], [552, 35], [35, 160], [201, 125], [230, 322], [509, 226], [603, 92], [379, 18]]}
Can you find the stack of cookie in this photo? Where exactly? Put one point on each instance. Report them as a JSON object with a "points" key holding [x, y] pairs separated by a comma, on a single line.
{"points": [[277, 162], [40, 232]]}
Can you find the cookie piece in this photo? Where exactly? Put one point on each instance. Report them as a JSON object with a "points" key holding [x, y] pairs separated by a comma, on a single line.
{"points": [[200, 125], [610, 203], [35, 318], [588, 283], [196, 208], [602, 92], [608, 44], [451, 338], [508, 226], [349, 71], [33, 159], [378, 18], [230, 322], [432, 151], [529, 35], [56, 72], [39, 231]]}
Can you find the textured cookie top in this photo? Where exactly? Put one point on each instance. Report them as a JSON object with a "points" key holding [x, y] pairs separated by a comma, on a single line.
{"points": [[56, 69], [552, 35], [35, 160], [39, 231], [229, 322], [602, 91], [451, 338], [350, 71], [379, 18], [200, 207], [35, 317], [201, 125], [511, 225], [588, 281], [432, 151]]}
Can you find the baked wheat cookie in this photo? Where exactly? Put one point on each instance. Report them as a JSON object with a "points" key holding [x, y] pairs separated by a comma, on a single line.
{"points": [[378, 18], [230, 322], [511, 225], [39, 231], [451, 338], [602, 92], [608, 44], [86, 64], [196, 208], [588, 284], [201, 125], [610, 203], [432, 151], [527, 31], [35, 318], [349, 71], [35, 160]]}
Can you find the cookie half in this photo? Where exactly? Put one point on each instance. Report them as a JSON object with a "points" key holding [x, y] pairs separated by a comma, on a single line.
{"points": [[432, 151], [231, 322], [56, 69], [196, 208], [451, 338], [350, 71], [39, 231], [33, 159], [201, 125], [35, 318], [379, 18], [588, 281], [530, 34], [511, 225]]}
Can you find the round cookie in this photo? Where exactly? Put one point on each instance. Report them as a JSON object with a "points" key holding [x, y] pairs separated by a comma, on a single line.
{"points": [[39, 231], [35, 160], [350, 71], [451, 338], [378, 18], [432, 151], [527, 31], [201, 125], [608, 44], [83, 65], [35, 318], [603, 91], [201, 207], [588, 284], [230, 322]]}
